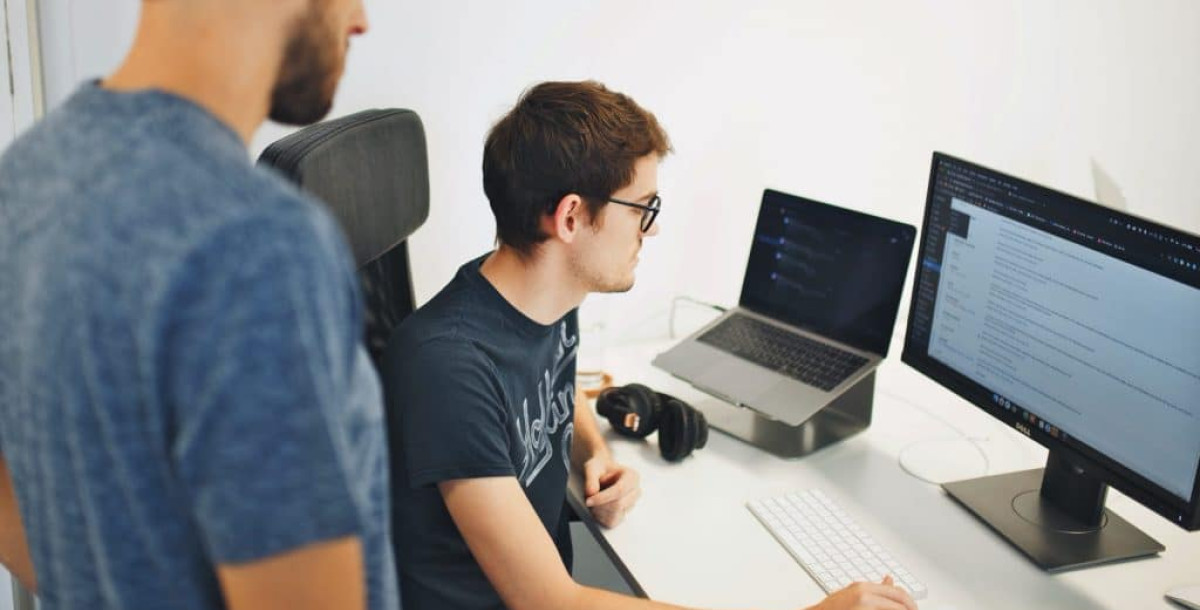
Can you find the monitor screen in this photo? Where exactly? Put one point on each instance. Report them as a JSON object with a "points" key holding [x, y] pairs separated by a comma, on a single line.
{"points": [[1077, 324], [829, 270]]}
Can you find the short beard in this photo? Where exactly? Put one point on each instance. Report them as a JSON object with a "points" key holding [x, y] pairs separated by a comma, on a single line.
{"points": [[309, 72], [595, 281]]}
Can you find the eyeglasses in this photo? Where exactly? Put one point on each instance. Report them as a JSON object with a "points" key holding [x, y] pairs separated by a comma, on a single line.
{"points": [[649, 211]]}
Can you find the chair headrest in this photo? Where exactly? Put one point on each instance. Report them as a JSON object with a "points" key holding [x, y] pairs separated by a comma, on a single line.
{"points": [[371, 170]]}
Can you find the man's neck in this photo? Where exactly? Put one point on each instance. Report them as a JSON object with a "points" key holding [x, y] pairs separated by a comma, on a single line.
{"points": [[539, 286], [217, 61]]}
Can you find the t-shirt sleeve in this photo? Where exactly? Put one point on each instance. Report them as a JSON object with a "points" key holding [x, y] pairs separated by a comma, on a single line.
{"points": [[260, 357], [450, 409]]}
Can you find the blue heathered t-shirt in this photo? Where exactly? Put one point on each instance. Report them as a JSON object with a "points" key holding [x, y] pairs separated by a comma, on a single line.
{"points": [[182, 382]]}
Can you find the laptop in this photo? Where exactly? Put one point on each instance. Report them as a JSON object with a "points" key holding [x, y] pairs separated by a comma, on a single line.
{"points": [[818, 306]]}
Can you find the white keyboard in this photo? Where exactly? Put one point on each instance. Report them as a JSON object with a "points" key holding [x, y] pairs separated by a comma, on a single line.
{"points": [[828, 543]]}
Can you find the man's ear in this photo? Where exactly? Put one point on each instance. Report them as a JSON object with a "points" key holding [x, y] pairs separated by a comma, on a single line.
{"points": [[570, 216]]}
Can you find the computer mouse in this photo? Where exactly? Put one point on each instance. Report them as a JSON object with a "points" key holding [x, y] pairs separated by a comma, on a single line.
{"points": [[1188, 597]]}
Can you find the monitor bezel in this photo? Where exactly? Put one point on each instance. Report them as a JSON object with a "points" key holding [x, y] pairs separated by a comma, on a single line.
{"points": [[1183, 513]]}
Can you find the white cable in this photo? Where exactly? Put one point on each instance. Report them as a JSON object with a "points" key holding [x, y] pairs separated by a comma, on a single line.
{"points": [[694, 301], [975, 441]]}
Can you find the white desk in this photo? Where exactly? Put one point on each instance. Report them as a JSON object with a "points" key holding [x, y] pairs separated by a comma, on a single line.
{"points": [[691, 540]]}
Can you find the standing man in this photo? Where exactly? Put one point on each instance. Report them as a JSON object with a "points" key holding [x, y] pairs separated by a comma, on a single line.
{"points": [[187, 417], [482, 378]]}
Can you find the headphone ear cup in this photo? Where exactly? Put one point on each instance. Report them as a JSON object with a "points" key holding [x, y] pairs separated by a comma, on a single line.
{"points": [[683, 429], [632, 410], [701, 428], [672, 433]]}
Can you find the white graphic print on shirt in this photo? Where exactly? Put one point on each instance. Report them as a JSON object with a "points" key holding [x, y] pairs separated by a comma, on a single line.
{"points": [[553, 410]]}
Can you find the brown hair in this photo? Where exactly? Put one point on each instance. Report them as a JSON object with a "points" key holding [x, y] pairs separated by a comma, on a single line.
{"points": [[563, 138]]}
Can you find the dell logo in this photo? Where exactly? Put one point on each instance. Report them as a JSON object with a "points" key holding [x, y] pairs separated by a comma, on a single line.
{"points": [[1024, 429]]}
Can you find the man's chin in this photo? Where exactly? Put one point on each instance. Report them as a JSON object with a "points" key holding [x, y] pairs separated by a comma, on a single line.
{"points": [[299, 117], [617, 287], [306, 100]]}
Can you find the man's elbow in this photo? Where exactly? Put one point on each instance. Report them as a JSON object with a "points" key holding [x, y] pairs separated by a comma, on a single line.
{"points": [[565, 595], [21, 570], [14, 550], [29, 583]]}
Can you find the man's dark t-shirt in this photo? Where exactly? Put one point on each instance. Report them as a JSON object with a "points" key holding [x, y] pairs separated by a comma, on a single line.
{"points": [[474, 389]]}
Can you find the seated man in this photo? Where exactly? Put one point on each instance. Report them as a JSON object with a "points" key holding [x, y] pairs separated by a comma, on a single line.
{"points": [[480, 381]]}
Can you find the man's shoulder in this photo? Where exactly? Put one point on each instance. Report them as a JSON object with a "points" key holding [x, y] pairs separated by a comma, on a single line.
{"points": [[174, 175], [239, 214], [455, 315], [179, 212], [438, 328], [450, 331]]}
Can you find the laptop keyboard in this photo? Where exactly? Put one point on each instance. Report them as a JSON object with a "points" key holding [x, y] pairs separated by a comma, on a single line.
{"points": [[785, 352]]}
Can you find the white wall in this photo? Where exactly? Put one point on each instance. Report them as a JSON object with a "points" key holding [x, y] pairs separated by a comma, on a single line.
{"points": [[839, 101], [20, 99], [82, 40], [7, 99]]}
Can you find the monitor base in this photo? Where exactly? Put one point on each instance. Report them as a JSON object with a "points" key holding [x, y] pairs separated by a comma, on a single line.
{"points": [[847, 415], [1011, 504]]}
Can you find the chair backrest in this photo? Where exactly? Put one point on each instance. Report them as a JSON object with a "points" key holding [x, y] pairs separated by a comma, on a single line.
{"points": [[372, 171]]}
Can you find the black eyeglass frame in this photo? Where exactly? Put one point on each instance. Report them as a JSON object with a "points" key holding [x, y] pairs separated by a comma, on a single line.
{"points": [[649, 211]]}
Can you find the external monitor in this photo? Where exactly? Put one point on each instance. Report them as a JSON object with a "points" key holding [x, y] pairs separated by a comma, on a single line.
{"points": [[1079, 326]]}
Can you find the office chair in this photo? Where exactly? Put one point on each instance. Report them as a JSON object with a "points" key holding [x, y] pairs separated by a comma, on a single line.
{"points": [[371, 170]]}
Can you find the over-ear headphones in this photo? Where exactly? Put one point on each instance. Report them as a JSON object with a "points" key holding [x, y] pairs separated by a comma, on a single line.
{"points": [[636, 411]]}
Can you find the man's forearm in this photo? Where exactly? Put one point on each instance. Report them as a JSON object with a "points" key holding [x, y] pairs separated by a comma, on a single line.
{"points": [[14, 551], [324, 574], [588, 597]]}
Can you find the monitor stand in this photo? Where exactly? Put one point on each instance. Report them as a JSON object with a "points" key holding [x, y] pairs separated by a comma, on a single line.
{"points": [[848, 414], [1055, 516]]}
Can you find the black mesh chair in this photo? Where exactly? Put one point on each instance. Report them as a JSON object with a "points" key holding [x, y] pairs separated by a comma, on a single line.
{"points": [[372, 171]]}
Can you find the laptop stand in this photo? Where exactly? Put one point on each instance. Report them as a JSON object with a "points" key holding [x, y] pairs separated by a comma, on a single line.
{"points": [[847, 415]]}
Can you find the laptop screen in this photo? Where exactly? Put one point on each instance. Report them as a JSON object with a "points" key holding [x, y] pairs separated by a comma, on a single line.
{"points": [[832, 271]]}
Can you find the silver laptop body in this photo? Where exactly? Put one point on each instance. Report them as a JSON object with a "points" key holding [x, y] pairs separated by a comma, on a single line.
{"points": [[809, 265]]}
